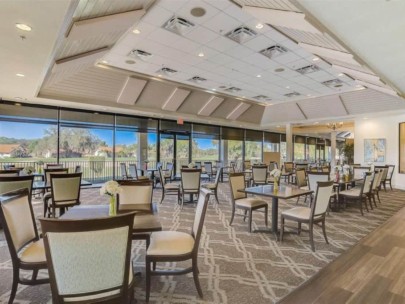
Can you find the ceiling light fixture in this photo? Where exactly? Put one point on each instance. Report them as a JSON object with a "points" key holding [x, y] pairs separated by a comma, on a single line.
{"points": [[136, 31], [334, 125], [20, 75], [201, 54], [104, 61], [316, 122], [341, 74], [258, 76], [17, 104], [23, 27], [259, 26], [159, 75], [315, 59]]}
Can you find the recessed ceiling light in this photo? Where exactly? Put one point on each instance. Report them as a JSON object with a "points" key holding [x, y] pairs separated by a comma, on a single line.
{"points": [[278, 127], [214, 89], [23, 27], [104, 109], [201, 54], [258, 76], [17, 104], [159, 75], [315, 123], [287, 87], [315, 59], [341, 74], [96, 113], [309, 95], [136, 31], [19, 98], [259, 26], [104, 61], [20, 75]]}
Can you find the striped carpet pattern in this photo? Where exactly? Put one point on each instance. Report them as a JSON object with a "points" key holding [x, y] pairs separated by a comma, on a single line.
{"points": [[235, 266]]}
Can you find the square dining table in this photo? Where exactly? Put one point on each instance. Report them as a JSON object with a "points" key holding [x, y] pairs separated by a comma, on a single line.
{"points": [[283, 192]]}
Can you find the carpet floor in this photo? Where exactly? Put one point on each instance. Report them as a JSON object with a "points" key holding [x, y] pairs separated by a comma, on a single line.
{"points": [[235, 266]]}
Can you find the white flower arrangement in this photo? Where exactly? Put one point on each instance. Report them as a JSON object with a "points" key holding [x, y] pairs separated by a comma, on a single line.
{"points": [[110, 188], [191, 165], [275, 173], [29, 170]]}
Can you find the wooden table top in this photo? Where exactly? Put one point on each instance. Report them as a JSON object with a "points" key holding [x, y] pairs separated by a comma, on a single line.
{"points": [[284, 192]]}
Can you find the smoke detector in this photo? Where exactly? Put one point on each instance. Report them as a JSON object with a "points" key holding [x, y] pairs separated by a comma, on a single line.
{"points": [[293, 94], [241, 34], [140, 54], [333, 83], [274, 51], [233, 89], [178, 25], [197, 79], [308, 69], [166, 71]]}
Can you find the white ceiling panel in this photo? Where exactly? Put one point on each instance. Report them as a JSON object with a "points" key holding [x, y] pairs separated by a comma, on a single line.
{"points": [[284, 112], [131, 90], [210, 106], [238, 111], [175, 99], [327, 106]]}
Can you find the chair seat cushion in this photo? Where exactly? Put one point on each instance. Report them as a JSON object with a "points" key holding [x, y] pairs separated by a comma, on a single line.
{"points": [[304, 188], [170, 243], [302, 213], [210, 186], [351, 193], [250, 202], [149, 222], [34, 253], [143, 178], [172, 186]]}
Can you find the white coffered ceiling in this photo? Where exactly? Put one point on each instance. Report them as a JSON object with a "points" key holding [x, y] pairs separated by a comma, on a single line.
{"points": [[79, 54]]}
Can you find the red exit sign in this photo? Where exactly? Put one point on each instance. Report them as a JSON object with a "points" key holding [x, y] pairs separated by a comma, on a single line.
{"points": [[180, 121]]}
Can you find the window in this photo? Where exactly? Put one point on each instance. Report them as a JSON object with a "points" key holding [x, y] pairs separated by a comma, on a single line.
{"points": [[299, 148], [253, 146], [271, 142], [233, 145], [311, 150], [205, 145]]}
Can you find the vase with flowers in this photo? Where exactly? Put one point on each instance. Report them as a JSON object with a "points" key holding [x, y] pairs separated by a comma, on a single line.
{"points": [[276, 174], [111, 188]]}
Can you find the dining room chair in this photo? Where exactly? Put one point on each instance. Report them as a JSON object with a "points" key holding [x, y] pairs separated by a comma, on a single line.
{"points": [[123, 170], [190, 183], [302, 182], [209, 171], [169, 188], [168, 172], [78, 169], [12, 183], [259, 175], [176, 246], [65, 193], [9, 172], [311, 215], [388, 179], [384, 176], [241, 201], [374, 187], [213, 187], [89, 260], [273, 165], [358, 194], [48, 172], [359, 171], [133, 173], [53, 166], [247, 165], [24, 244], [315, 177]]}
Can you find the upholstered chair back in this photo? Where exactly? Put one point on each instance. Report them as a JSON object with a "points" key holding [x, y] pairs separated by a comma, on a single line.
{"points": [[17, 219], [88, 259], [301, 178], [385, 173], [11, 183], [133, 172], [379, 177], [322, 197], [190, 179], [391, 169], [123, 169], [259, 174], [136, 195], [376, 179], [4, 173], [208, 167], [247, 164], [358, 172], [53, 166], [198, 164], [237, 182], [218, 176], [48, 172], [200, 216], [368, 179], [65, 188], [169, 167], [288, 167], [315, 177], [162, 177]]}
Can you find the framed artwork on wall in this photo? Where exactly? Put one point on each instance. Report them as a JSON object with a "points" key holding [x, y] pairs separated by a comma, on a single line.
{"points": [[374, 150], [402, 147]]}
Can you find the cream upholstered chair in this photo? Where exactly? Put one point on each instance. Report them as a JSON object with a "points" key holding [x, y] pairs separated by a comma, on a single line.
{"points": [[11, 183], [273, 165], [133, 172], [259, 175], [136, 196], [384, 176], [358, 172], [25, 247], [65, 192], [374, 187], [390, 173], [314, 178], [89, 260], [48, 172], [168, 188], [208, 170], [376, 191], [175, 246], [241, 201], [53, 166], [302, 183], [213, 187], [358, 194], [313, 215], [9, 173], [123, 169], [190, 183], [168, 172]]}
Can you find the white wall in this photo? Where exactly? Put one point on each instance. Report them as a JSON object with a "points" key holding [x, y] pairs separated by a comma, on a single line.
{"points": [[380, 127]]}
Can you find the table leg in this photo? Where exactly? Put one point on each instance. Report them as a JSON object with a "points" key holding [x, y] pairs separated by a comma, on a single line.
{"points": [[274, 216]]}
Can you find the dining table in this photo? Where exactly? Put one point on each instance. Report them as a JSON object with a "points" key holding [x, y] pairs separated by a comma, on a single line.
{"points": [[282, 192]]}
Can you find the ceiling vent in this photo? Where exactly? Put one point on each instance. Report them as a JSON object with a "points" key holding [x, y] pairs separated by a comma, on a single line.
{"points": [[167, 71], [241, 34], [334, 83], [140, 54], [308, 69], [274, 51], [262, 97], [233, 89], [293, 94], [178, 25], [197, 79]]}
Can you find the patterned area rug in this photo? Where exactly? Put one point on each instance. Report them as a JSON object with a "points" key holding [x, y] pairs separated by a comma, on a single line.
{"points": [[235, 266]]}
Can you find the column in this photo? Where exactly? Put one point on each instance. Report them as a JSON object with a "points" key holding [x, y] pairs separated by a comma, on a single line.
{"points": [[224, 152], [142, 150], [332, 150], [289, 142]]}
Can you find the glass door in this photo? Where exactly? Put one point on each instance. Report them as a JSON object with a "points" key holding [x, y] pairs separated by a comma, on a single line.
{"points": [[175, 148], [182, 152]]}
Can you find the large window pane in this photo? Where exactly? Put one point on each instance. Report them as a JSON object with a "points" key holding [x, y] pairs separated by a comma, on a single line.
{"points": [[253, 151], [234, 152], [205, 149]]}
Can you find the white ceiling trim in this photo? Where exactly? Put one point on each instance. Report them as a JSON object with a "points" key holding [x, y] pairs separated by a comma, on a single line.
{"points": [[175, 99], [210, 106], [329, 53], [131, 90], [377, 88], [238, 111]]}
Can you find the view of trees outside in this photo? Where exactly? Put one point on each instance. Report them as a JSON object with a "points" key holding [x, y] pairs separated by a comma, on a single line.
{"points": [[235, 151], [271, 147], [327, 153], [152, 148], [205, 149], [311, 153], [253, 151], [283, 151], [299, 152]]}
